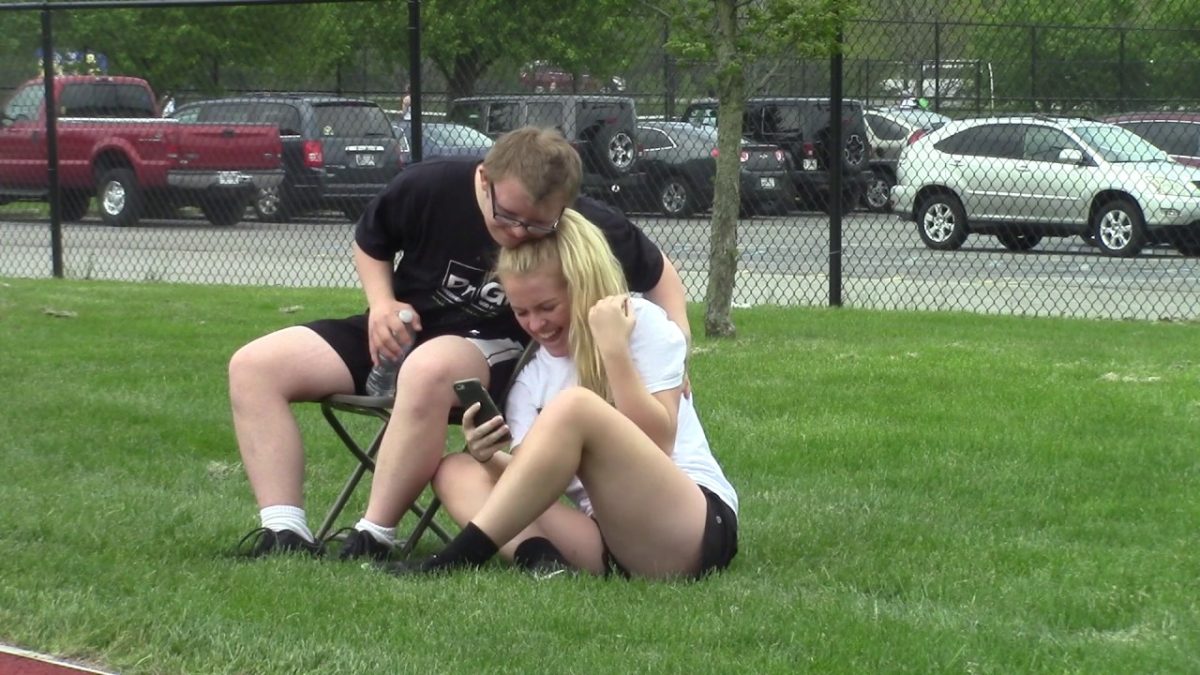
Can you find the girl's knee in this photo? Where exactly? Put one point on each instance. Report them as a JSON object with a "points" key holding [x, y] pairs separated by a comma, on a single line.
{"points": [[454, 470]]}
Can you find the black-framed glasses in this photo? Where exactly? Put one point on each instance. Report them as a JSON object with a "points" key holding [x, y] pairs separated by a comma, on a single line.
{"points": [[511, 221]]}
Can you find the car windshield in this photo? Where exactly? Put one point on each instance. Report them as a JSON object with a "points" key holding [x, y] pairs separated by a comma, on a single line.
{"points": [[1115, 144]]}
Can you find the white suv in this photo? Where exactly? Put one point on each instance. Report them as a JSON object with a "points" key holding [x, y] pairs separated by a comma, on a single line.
{"points": [[1024, 178]]}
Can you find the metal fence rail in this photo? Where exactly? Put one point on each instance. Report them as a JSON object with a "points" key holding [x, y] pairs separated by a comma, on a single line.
{"points": [[282, 119]]}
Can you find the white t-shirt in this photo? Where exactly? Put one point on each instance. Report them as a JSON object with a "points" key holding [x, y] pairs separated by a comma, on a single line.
{"points": [[659, 350]]}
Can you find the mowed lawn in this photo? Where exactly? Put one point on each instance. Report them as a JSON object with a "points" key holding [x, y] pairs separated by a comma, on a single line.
{"points": [[920, 492]]}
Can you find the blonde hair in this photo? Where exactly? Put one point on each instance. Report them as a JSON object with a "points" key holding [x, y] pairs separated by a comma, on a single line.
{"points": [[581, 256], [541, 159]]}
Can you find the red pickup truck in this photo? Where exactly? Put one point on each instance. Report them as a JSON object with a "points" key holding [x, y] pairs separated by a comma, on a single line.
{"points": [[113, 144]]}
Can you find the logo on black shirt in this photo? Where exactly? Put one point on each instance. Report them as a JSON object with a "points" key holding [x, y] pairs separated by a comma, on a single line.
{"points": [[468, 287]]}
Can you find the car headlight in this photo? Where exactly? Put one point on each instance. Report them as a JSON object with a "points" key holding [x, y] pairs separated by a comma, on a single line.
{"points": [[1174, 188]]}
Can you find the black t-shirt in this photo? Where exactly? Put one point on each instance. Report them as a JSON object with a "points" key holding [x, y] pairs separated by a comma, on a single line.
{"points": [[430, 216]]}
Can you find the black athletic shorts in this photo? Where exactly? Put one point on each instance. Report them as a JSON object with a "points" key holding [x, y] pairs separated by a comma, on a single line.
{"points": [[718, 546], [348, 337]]}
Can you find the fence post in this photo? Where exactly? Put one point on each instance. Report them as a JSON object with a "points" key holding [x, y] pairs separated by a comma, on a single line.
{"points": [[414, 81], [835, 171], [56, 243], [937, 66], [1033, 69], [1121, 92]]}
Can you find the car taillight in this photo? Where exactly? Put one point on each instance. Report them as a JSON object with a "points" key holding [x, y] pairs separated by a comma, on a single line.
{"points": [[314, 155], [744, 156], [714, 153], [917, 135], [808, 150], [779, 156]]}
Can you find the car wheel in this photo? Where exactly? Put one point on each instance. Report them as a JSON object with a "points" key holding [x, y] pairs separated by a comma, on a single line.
{"points": [[615, 150], [119, 198], [1018, 241], [878, 195], [941, 222], [854, 153], [73, 205], [675, 198], [223, 210], [271, 205], [1119, 230]]}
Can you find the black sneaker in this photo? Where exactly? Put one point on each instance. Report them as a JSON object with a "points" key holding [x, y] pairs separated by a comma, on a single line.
{"points": [[542, 560], [264, 541], [423, 567], [358, 544]]}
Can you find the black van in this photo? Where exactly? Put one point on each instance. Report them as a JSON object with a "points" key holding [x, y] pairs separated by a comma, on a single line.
{"points": [[801, 127], [338, 152]]}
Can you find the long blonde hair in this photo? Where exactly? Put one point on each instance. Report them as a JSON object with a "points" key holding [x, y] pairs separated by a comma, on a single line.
{"points": [[579, 252]]}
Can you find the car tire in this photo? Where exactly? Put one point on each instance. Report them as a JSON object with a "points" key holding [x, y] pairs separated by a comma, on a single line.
{"points": [[615, 149], [272, 204], [675, 198], [73, 205], [223, 210], [118, 197], [1018, 241], [1119, 229], [942, 222], [878, 195]]}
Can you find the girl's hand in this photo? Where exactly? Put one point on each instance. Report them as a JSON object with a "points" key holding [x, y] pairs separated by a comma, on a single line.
{"points": [[486, 439], [612, 320]]}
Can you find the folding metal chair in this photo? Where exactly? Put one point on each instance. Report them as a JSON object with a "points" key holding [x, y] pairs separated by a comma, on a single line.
{"points": [[380, 407]]}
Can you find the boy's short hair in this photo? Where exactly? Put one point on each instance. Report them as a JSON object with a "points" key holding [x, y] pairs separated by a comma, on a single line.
{"points": [[541, 159]]}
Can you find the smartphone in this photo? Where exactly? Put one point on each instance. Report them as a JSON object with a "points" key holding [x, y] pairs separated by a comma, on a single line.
{"points": [[472, 391]]}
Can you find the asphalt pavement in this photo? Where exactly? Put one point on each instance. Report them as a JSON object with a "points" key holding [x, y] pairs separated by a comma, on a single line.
{"points": [[784, 260]]}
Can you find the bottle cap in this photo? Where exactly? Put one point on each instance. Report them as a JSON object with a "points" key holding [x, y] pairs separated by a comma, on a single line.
{"points": [[405, 315]]}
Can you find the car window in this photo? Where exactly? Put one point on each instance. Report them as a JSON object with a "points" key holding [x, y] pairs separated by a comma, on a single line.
{"points": [[549, 115], [653, 139], [26, 104], [1177, 138], [886, 129], [469, 114], [1115, 144], [1043, 144], [188, 115], [455, 134], [226, 113], [987, 140], [282, 115], [504, 117], [781, 119], [105, 99], [351, 121], [705, 116]]}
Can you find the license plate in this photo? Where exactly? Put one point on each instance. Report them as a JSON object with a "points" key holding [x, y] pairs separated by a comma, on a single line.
{"points": [[766, 183], [809, 165], [364, 160], [229, 178]]}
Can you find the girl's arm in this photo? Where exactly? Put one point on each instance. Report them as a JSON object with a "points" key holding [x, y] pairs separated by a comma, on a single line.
{"points": [[612, 323]]}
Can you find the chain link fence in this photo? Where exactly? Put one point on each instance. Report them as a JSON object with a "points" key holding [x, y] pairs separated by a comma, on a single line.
{"points": [[1007, 163]]}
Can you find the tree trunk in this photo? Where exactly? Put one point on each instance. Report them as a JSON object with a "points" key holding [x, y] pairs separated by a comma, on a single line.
{"points": [[722, 243]]}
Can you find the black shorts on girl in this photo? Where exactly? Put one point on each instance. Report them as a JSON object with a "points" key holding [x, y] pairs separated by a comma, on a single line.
{"points": [[348, 337], [718, 545]]}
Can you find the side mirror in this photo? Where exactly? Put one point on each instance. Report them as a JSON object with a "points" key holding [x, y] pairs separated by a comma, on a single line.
{"points": [[1070, 156]]}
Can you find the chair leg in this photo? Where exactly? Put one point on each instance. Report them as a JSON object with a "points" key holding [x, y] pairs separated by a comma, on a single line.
{"points": [[366, 462], [424, 522]]}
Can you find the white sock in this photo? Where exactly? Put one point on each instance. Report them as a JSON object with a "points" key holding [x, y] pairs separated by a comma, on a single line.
{"points": [[383, 535], [284, 517]]}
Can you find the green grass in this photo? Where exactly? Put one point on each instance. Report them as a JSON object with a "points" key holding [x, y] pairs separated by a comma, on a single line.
{"points": [[920, 492]]}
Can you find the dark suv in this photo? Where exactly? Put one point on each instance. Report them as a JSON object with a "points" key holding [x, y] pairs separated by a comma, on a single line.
{"points": [[337, 152], [602, 128], [801, 127]]}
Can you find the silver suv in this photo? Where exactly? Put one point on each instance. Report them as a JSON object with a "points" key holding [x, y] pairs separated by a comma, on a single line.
{"points": [[1024, 178]]}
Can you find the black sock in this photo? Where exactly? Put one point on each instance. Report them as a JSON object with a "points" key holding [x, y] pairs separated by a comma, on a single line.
{"points": [[538, 551], [471, 548]]}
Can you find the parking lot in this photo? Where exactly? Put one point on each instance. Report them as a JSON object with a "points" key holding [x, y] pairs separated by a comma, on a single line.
{"points": [[785, 260]]}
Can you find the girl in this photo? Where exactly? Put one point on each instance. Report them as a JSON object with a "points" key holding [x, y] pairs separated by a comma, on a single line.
{"points": [[598, 413]]}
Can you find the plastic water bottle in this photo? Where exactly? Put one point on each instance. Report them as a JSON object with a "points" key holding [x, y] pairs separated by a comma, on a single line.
{"points": [[382, 380]]}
